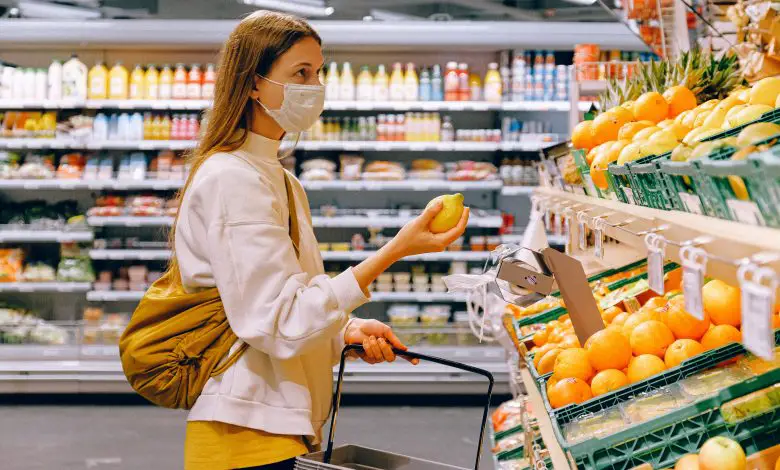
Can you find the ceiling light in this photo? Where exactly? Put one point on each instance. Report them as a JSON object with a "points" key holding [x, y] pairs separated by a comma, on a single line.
{"points": [[293, 7]]}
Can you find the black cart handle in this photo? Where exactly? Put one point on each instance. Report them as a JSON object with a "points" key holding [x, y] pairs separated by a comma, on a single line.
{"points": [[410, 355]]}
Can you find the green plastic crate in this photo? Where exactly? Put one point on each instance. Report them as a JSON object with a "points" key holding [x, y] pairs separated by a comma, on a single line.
{"points": [[649, 185], [694, 191], [618, 180], [665, 439], [767, 182]]}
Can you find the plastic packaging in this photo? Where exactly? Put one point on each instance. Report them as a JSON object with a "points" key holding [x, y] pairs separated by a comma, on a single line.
{"points": [[647, 406], [600, 424]]}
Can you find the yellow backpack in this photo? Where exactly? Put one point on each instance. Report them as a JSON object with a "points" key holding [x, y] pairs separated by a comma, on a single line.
{"points": [[175, 341]]}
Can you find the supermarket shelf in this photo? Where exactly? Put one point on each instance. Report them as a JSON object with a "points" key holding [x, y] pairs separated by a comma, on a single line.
{"points": [[592, 87], [516, 190], [557, 455], [416, 297], [32, 287], [114, 296], [130, 254], [128, 221], [442, 256], [93, 185], [96, 144], [33, 236], [717, 237], [403, 185]]}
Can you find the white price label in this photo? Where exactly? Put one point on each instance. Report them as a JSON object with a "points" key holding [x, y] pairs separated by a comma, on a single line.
{"points": [[558, 226], [590, 187], [758, 302], [629, 195], [582, 236], [746, 212], [547, 219], [691, 202], [351, 146], [383, 146], [656, 246], [694, 262], [598, 233]]}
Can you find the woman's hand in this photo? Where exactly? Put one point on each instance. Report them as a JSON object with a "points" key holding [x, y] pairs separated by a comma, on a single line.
{"points": [[377, 339], [416, 238]]}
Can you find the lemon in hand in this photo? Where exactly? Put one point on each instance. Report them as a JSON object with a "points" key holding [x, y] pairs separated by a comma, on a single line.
{"points": [[451, 211]]}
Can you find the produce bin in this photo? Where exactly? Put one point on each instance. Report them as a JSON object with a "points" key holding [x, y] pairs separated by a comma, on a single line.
{"points": [[650, 187], [619, 181], [694, 190]]}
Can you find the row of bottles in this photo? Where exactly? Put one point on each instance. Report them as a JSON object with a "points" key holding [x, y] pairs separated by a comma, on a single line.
{"points": [[151, 83], [148, 126], [519, 171]]}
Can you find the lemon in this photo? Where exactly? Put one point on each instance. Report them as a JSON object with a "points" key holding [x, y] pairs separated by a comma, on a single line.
{"points": [[450, 214], [765, 91]]}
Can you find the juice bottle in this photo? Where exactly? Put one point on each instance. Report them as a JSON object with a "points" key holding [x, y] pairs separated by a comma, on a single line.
{"points": [[209, 78], [147, 126], [451, 82], [137, 83], [193, 127], [425, 85], [381, 84], [397, 83], [506, 76], [411, 84], [437, 93], [166, 83], [117, 82], [98, 82], [332, 83], [74, 79], [464, 93], [493, 85], [475, 87], [156, 130], [194, 82], [55, 80], [347, 83], [365, 84], [152, 83], [165, 128], [175, 133], [179, 83]]}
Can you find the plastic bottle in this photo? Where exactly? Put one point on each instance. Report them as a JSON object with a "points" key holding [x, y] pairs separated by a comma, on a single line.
{"points": [[332, 83], [123, 127], [425, 85], [518, 77], [113, 127], [156, 132], [475, 87], [179, 83], [397, 83], [175, 133], [451, 82], [549, 62], [74, 79], [152, 79], [18, 82], [193, 127], [209, 79], [98, 82], [100, 127], [437, 92], [411, 83], [194, 82], [464, 93], [41, 89], [166, 83], [493, 84], [137, 83], [165, 128], [28, 87], [55, 80], [136, 127], [381, 128], [381, 84], [117, 82], [506, 77], [365, 84], [447, 133], [147, 126], [347, 83]]}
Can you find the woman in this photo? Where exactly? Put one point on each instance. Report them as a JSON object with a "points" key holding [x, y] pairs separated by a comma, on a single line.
{"points": [[236, 231]]}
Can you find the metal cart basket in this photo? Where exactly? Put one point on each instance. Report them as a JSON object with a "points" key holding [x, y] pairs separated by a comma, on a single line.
{"points": [[363, 458]]}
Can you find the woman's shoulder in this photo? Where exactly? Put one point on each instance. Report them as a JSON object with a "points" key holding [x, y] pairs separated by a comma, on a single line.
{"points": [[228, 170]]}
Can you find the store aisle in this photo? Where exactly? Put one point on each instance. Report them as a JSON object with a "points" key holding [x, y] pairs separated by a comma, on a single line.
{"points": [[142, 437]]}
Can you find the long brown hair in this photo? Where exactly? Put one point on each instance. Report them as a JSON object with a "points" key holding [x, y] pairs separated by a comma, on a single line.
{"points": [[251, 49]]}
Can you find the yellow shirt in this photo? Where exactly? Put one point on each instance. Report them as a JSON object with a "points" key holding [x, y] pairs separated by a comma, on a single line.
{"points": [[211, 445]]}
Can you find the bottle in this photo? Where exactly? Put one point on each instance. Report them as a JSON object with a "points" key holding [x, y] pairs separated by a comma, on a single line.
{"points": [[411, 84], [506, 76], [98, 82], [55, 81], [41, 88], [381, 84], [175, 133], [209, 79], [137, 83], [425, 93], [518, 77], [123, 127], [365, 84], [332, 83], [136, 126], [193, 127], [447, 133], [194, 82], [549, 62], [100, 127], [166, 83], [463, 82], [74, 79], [493, 82], [29, 84], [147, 126], [475, 87], [156, 131], [397, 83], [451, 82], [113, 127], [117, 82], [347, 83], [165, 128], [17, 85], [179, 89], [152, 79], [437, 93], [381, 128]]}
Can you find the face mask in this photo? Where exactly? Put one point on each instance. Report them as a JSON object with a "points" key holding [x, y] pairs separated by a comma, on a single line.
{"points": [[301, 106]]}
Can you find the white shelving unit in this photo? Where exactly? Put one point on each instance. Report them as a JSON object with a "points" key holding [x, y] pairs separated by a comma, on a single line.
{"points": [[403, 185], [41, 287], [22, 235], [114, 296], [128, 254]]}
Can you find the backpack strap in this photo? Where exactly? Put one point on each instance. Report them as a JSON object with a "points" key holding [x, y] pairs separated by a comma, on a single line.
{"points": [[294, 230]]}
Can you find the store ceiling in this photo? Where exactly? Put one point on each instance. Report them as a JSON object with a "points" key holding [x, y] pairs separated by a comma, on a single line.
{"points": [[376, 10]]}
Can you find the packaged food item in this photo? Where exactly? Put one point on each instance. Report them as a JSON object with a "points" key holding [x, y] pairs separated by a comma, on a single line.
{"points": [[75, 270], [477, 243], [403, 287], [508, 414], [38, 272], [411, 84], [751, 405], [456, 245], [351, 167], [332, 83], [493, 84], [403, 314], [166, 83], [600, 424], [396, 87], [381, 86], [709, 382], [384, 171], [758, 366], [347, 83], [648, 405], [179, 83], [340, 246], [384, 287], [194, 83], [402, 277], [209, 79]]}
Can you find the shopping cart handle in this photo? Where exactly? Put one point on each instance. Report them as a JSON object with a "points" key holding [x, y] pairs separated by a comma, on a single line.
{"points": [[410, 355]]}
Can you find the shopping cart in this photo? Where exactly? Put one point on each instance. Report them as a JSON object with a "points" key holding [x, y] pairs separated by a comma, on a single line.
{"points": [[363, 458]]}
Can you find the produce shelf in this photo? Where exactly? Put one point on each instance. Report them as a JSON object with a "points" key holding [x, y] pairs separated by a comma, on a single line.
{"points": [[134, 296], [403, 185], [516, 190], [91, 185], [56, 287]]}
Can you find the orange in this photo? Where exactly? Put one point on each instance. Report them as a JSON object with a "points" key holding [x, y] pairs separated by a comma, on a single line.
{"points": [[540, 352], [610, 313], [673, 280], [628, 130], [637, 319], [620, 319], [655, 302], [680, 99], [570, 341], [608, 349], [595, 152], [722, 302], [622, 113], [683, 324], [567, 391], [644, 366], [651, 337], [547, 361], [573, 363], [651, 106], [554, 379], [681, 350], [720, 335], [605, 127], [776, 321], [581, 136], [608, 380], [609, 154], [541, 336], [688, 462]]}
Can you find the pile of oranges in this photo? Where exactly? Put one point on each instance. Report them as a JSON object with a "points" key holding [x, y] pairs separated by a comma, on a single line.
{"points": [[635, 346]]}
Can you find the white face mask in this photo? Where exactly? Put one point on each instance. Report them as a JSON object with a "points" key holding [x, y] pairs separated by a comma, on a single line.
{"points": [[301, 106]]}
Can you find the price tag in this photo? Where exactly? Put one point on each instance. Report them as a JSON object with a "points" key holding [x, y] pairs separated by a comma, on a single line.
{"points": [[558, 226], [582, 234], [691, 202], [758, 285], [590, 187], [547, 219], [598, 233], [656, 247], [746, 212], [457, 106], [629, 195], [694, 261]]}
